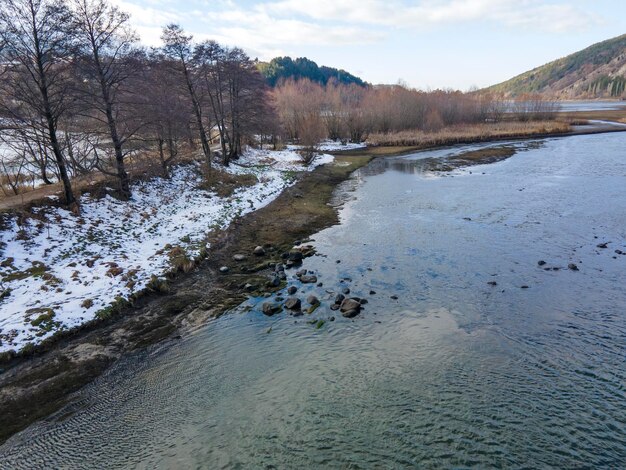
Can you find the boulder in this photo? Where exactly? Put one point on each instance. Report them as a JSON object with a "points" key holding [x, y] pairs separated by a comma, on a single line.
{"points": [[271, 308], [292, 290], [293, 303], [259, 251], [350, 313], [350, 304], [295, 256], [312, 300], [308, 279]]}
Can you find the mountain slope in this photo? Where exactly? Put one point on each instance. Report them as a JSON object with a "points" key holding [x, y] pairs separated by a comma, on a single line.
{"points": [[598, 71], [282, 68]]}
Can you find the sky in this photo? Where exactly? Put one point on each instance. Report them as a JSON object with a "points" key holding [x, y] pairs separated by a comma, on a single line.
{"points": [[427, 44]]}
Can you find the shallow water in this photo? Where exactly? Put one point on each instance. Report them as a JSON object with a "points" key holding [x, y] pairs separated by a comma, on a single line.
{"points": [[455, 373]]}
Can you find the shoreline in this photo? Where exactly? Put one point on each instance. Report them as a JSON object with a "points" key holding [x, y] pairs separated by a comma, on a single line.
{"points": [[34, 386]]}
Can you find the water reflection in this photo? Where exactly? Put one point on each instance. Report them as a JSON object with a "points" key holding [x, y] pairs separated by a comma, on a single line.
{"points": [[455, 372]]}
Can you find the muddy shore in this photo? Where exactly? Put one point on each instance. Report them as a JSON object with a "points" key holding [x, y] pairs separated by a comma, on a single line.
{"points": [[35, 386]]}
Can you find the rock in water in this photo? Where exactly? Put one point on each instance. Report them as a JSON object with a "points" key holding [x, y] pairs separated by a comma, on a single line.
{"points": [[541, 263], [572, 266], [350, 313], [350, 304], [312, 300], [293, 303], [292, 290], [271, 308], [308, 279]]}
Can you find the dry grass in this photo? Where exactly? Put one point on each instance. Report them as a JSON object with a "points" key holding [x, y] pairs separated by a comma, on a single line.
{"points": [[469, 133]]}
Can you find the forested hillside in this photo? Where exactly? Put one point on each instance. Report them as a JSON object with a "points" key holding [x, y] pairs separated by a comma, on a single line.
{"points": [[282, 68], [598, 71]]}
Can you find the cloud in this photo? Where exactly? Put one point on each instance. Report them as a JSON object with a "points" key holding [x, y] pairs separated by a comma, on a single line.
{"points": [[542, 15], [267, 27]]}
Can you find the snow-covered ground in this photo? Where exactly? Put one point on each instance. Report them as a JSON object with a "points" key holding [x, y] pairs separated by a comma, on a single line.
{"points": [[332, 146], [61, 270]]}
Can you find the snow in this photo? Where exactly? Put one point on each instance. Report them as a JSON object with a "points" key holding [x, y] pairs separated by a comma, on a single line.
{"points": [[332, 146], [80, 265]]}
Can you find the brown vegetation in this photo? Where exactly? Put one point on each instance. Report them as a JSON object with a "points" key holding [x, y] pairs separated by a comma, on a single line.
{"points": [[468, 133]]}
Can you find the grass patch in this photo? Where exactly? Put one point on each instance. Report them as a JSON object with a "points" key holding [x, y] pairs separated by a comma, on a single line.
{"points": [[225, 184]]}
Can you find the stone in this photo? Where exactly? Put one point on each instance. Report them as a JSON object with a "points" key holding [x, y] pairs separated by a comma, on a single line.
{"points": [[345, 290], [602, 245], [350, 313], [300, 273], [320, 284], [334, 307], [541, 263], [274, 282], [249, 287], [224, 269], [293, 303], [492, 283], [572, 266], [350, 304], [339, 298], [295, 256], [239, 257], [394, 297], [259, 251], [308, 279], [372, 292], [332, 318], [312, 300], [271, 308], [292, 290]]}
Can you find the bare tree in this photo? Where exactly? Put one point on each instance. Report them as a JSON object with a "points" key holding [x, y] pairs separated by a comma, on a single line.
{"points": [[178, 47], [37, 47], [107, 41], [166, 110]]}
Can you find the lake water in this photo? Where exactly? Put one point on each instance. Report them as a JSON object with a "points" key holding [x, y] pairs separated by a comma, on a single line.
{"points": [[455, 373]]}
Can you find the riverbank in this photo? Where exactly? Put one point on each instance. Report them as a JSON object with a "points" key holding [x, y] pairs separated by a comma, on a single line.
{"points": [[33, 387]]}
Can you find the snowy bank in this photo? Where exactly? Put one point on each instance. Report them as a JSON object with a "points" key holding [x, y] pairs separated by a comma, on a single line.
{"points": [[59, 270]]}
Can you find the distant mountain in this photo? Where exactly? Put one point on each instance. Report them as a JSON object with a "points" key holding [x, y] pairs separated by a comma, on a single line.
{"points": [[282, 68], [598, 71]]}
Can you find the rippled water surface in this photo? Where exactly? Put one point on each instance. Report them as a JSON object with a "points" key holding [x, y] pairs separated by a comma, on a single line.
{"points": [[454, 373]]}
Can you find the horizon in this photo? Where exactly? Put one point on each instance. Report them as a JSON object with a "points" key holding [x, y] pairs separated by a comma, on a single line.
{"points": [[423, 44]]}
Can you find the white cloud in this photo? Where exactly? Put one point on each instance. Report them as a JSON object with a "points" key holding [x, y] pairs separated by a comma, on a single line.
{"points": [[537, 14]]}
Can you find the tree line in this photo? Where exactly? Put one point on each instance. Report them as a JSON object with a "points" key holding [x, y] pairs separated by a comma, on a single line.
{"points": [[78, 93], [310, 111]]}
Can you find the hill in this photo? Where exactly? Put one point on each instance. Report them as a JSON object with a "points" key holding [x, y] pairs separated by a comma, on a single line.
{"points": [[282, 68], [599, 71]]}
